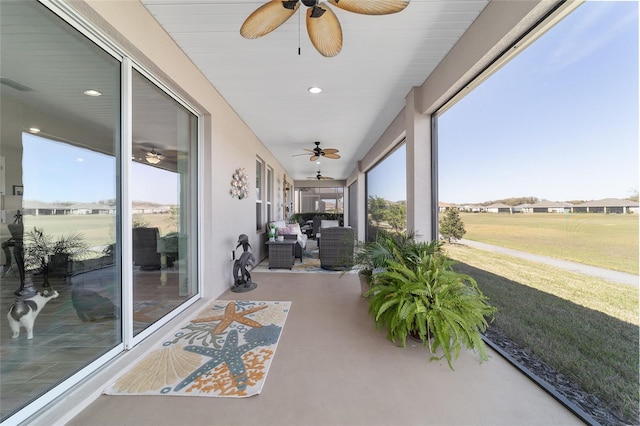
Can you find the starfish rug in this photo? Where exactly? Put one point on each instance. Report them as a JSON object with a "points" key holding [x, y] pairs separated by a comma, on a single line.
{"points": [[224, 351]]}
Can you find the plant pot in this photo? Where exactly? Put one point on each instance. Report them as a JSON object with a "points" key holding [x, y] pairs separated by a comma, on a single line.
{"points": [[365, 284], [415, 336], [60, 265]]}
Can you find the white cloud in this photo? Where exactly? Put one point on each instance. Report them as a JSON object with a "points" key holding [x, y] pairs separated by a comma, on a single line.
{"points": [[580, 42]]}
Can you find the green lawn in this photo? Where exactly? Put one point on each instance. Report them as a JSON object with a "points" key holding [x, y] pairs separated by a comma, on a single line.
{"points": [[584, 327], [607, 241], [97, 230]]}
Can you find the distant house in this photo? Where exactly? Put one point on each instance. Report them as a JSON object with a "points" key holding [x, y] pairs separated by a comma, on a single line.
{"points": [[498, 208], [37, 208], [444, 206], [607, 205], [526, 208], [548, 207], [474, 208], [41, 208], [91, 208], [150, 208]]}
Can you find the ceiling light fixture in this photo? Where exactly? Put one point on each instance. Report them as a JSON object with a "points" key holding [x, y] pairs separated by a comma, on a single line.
{"points": [[153, 157], [92, 92], [314, 90], [34, 130]]}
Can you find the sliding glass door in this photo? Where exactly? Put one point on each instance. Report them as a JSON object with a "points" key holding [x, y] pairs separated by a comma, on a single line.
{"points": [[73, 291], [61, 282], [164, 143]]}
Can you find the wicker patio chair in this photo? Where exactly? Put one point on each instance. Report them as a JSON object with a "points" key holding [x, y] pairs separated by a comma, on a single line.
{"points": [[316, 224], [336, 249], [145, 248]]}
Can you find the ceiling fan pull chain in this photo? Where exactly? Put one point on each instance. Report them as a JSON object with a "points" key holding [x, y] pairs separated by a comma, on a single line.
{"points": [[298, 32]]}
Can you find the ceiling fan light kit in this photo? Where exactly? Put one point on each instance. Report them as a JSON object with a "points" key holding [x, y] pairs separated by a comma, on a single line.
{"points": [[323, 26], [317, 153], [319, 176], [153, 157]]}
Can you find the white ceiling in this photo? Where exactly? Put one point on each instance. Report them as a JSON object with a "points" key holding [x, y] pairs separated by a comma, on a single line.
{"points": [[364, 87]]}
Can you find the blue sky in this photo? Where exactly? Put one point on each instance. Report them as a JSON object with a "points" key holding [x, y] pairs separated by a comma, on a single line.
{"points": [[559, 122], [388, 179], [83, 175]]}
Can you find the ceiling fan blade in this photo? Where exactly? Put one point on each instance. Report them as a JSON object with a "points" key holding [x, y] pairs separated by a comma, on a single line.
{"points": [[314, 158], [324, 30], [266, 18], [371, 7], [332, 156], [330, 151]]}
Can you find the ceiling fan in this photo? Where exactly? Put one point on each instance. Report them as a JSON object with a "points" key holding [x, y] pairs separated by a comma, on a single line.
{"points": [[153, 157], [152, 154], [323, 26], [319, 176], [318, 152]]}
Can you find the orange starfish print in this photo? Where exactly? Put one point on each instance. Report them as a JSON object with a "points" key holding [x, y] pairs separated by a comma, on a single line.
{"points": [[230, 315]]}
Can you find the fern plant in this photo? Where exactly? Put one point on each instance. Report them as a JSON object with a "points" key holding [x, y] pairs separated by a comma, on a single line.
{"points": [[420, 294], [374, 255]]}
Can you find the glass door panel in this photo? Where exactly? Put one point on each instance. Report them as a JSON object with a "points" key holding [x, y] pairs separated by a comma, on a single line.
{"points": [[59, 223], [163, 198]]}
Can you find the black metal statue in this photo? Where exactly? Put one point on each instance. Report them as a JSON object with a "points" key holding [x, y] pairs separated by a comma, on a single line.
{"points": [[242, 266], [17, 243]]}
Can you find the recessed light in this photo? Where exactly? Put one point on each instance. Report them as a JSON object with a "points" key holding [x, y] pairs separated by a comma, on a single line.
{"points": [[317, 162], [92, 92], [315, 90], [34, 130]]}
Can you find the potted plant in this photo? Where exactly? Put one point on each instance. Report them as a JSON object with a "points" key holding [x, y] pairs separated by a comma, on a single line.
{"points": [[420, 295], [273, 232], [372, 257], [50, 255]]}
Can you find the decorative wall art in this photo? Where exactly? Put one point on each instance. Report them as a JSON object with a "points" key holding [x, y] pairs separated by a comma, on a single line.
{"points": [[240, 184]]}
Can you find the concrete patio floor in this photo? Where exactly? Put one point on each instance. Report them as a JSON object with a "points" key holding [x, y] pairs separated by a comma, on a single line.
{"points": [[333, 368]]}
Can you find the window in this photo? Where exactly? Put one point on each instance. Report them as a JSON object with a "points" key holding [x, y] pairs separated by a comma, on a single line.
{"points": [[387, 194], [525, 156], [269, 194], [259, 222], [319, 200], [353, 205]]}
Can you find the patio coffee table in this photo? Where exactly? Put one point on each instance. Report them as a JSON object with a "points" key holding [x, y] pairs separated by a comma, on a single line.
{"points": [[281, 253]]}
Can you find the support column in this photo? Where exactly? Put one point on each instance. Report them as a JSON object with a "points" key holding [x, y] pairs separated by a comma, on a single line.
{"points": [[419, 176], [362, 204]]}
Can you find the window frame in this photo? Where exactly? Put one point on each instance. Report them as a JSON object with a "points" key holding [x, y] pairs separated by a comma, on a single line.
{"points": [[259, 195]]}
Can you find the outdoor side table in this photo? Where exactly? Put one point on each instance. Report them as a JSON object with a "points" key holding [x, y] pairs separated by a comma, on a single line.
{"points": [[281, 253]]}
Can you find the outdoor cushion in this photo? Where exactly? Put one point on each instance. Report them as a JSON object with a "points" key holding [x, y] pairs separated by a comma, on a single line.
{"points": [[292, 229], [329, 224]]}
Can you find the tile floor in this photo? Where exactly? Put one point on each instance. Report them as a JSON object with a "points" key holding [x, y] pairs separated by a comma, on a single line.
{"points": [[333, 368], [62, 342]]}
